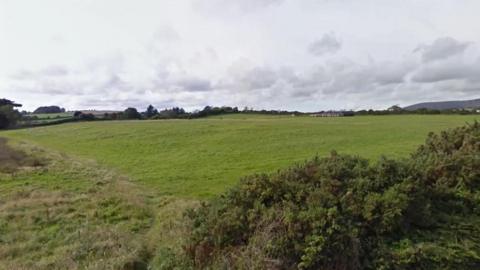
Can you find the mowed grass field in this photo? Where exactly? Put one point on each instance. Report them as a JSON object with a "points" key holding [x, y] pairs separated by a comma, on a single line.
{"points": [[203, 157]]}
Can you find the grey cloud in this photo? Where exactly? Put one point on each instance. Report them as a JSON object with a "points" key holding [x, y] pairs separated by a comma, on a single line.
{"points": [[54, 71], [213, 6], [246, 83], [259, 78], [164, 80], [386, 73], [308, 84], [442, 48], [456, 69], [22, 75], [115, 82], [333, 78], [248, 5], [248, 78], [193, 84], [328, 44], [351, 77], [50, 87], [50, 71], [109, 102], [166, 34]]}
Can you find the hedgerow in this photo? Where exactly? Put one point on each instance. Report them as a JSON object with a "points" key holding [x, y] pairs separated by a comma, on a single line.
{"points": [[344, 212]]}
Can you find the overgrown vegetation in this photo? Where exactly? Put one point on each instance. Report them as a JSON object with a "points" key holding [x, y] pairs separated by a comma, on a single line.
{"points": [[343, 212]]}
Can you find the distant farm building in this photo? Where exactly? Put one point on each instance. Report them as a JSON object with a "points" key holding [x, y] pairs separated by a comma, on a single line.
{"points": [[333, 114]]}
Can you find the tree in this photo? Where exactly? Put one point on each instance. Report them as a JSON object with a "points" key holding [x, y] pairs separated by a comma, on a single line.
{"points": [[151, 111], [4, 121], [4, 102], [77, 114], [175, 112], [395, 108], [131, 113], [8, 114], [83, 116]]}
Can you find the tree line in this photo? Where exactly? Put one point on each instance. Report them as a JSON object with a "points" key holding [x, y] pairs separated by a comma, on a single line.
{"points": [[11, 117], [179, 113]]}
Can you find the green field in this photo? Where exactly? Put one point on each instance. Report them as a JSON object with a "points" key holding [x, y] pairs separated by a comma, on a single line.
{"points": [[200, 158], [47, 118], [51, 115], [111, 194]]}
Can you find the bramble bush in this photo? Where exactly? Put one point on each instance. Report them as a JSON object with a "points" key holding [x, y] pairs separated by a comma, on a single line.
{"points": [[343, 212]]}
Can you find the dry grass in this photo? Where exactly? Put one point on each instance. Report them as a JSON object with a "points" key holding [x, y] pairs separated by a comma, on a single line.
{"points": [[12, 160], [75, 214]]}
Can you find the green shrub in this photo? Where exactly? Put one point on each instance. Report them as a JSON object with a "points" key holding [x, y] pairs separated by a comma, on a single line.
{"points": [[342, 212]]}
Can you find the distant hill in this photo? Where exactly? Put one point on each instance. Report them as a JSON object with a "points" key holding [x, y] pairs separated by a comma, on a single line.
{"points": [[445, 105], [49, 109]]}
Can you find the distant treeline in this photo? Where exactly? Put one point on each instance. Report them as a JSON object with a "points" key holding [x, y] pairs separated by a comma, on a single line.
{"points": [[180, 113], [10, 117]]}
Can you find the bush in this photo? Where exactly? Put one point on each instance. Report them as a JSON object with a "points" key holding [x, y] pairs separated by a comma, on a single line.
{"points": [[342, 212]]}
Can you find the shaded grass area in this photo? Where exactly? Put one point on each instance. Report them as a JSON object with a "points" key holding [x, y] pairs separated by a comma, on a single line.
{"points": [[12, 159], [201, 158], [74, 214]]}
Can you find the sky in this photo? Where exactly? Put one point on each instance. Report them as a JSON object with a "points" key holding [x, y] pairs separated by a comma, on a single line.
{"points": [[306, 55]]}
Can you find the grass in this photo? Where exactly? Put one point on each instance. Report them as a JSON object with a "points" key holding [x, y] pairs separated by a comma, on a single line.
{"points": [[110, 195], [73, 214], [200, 158]]}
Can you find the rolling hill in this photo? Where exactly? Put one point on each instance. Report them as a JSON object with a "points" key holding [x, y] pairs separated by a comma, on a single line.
{"points": [[445, 105]]}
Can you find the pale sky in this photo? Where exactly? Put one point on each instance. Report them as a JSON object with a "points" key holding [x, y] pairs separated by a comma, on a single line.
{"points": [[306, 55]]}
